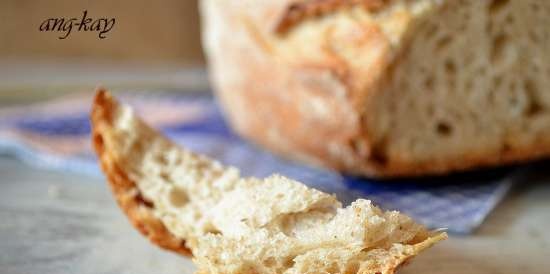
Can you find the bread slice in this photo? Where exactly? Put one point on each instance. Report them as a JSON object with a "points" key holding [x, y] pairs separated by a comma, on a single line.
{"points": [[385, 88], [186, 202]]}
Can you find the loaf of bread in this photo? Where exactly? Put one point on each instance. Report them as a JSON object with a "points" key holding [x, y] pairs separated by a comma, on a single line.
{"points": [[385, 87], [231, 225]]}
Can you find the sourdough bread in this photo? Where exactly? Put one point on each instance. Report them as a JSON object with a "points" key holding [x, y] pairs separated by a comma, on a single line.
{"points": [[232, 225], [385, 88]]}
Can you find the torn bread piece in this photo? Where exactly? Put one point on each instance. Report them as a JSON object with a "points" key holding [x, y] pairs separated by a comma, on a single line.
{"points": [[186, 202]]}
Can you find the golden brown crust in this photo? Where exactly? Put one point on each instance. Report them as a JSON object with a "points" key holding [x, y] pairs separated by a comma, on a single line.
{"points": [[298, 11], [478, 159], [137, 209]]}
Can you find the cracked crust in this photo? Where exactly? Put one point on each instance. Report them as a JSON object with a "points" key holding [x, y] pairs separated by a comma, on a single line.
{"points": [[137, 209], [296, 12]]}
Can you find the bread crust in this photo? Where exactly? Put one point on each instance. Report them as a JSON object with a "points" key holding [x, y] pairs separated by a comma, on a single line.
{"points": [[310, 105], [137, 209], [298, 11]]}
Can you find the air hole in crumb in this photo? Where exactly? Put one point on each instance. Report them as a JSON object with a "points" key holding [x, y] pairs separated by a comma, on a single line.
{"points": [[269, 262], [534, 107], [137, 147], [497, 5], [178, 197], [510, 19], [462, 28], [444, 129], [289, 262], [443, 43], [164, 175], [161, 159], [212, 230], [279, 196], [450, 67], [429, 83], [499, 45]]}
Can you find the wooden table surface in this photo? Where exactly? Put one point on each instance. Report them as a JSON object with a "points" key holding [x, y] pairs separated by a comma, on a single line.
{"points": [[56, 223]]}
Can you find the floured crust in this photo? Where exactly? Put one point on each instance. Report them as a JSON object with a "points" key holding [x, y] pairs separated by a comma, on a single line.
{"points": [[137, 209], [297, 11], [297, 94], [310, 94]]}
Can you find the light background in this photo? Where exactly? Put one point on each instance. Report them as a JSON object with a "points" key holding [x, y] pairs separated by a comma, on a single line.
{"points": [[145, 30], [154, 44]]}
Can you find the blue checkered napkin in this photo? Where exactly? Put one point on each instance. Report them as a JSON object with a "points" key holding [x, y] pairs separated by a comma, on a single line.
{"points": [[55, 135]]}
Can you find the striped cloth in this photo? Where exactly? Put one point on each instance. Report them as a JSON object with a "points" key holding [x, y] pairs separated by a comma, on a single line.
{"points": [[55, 135]]}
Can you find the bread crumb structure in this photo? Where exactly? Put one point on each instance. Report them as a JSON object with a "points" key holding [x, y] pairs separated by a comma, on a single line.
{"points": [[185, 202]]}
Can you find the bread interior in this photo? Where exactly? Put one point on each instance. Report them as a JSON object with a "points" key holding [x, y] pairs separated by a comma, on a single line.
{"points": [[250, 225], [470, 80]]}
